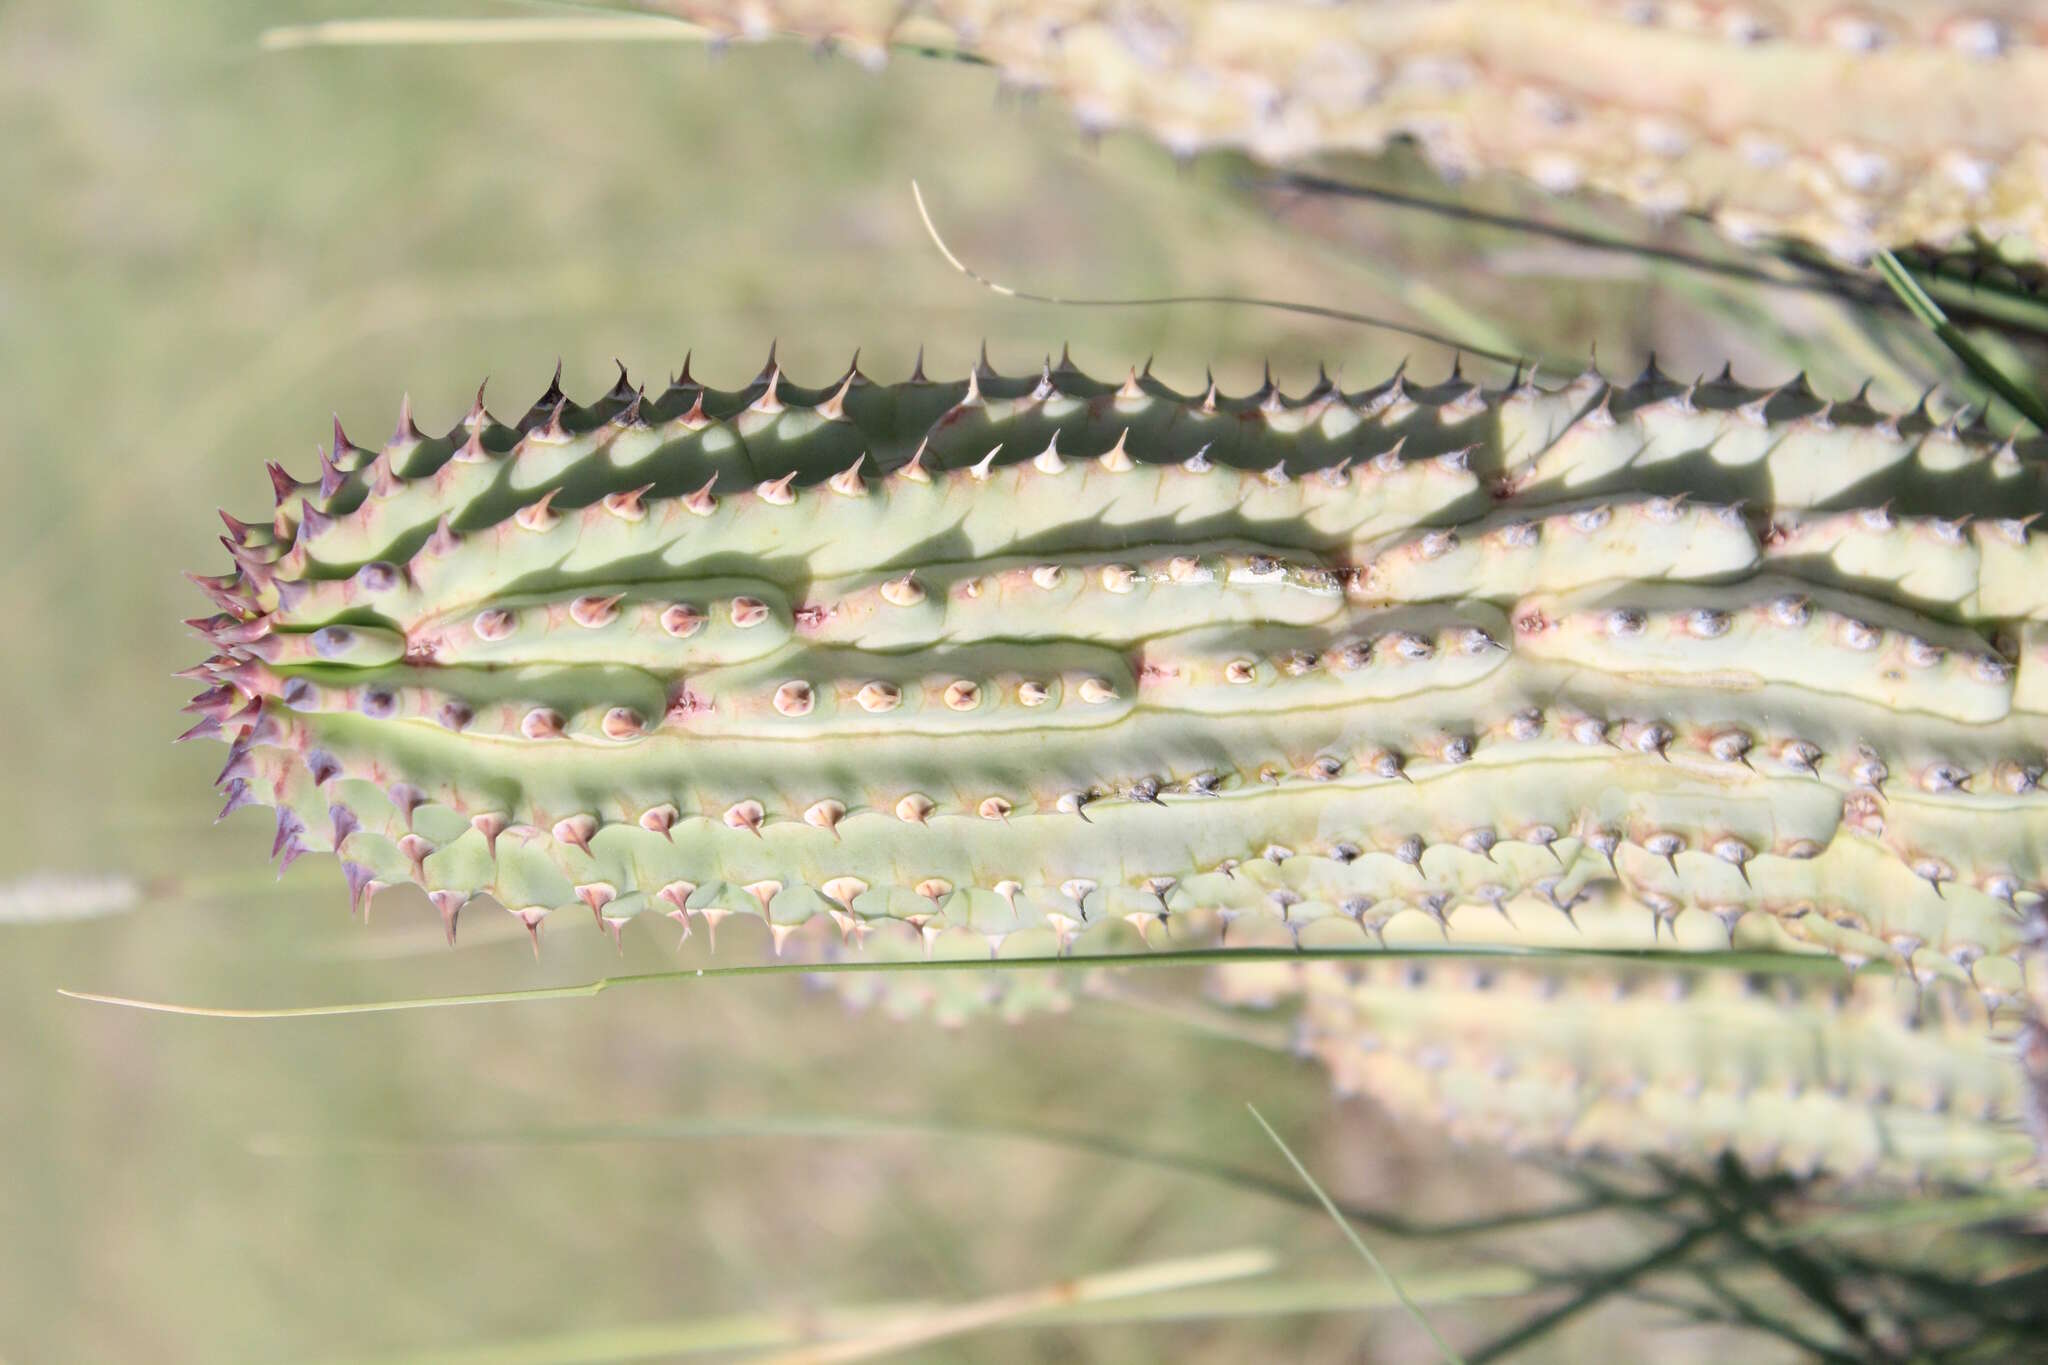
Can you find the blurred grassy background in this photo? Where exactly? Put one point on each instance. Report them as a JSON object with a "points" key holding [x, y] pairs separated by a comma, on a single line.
{"points": [[207, 251]]}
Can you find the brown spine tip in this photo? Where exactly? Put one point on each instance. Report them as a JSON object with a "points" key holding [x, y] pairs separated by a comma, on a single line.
{"points": [[628, 505], [702, 503], [622, 389], [876, 697], [843, 890], [443, 542], [557, 428], [551, 401], [478, 416], [593, 611], [913, 469], [576, 830], [416, 851], [833, 409], [847, 481], [597, 895], [362, 888], [682, 620], [541, 722], [282, 483], [538, 516], [450, 904], [746, 815], [406, 433], [490, 824], [794, 698]]}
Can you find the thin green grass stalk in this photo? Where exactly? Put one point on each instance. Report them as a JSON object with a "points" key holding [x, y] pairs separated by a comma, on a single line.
{"points": [[1490, 352], [2029, 404], [1970, 292], [1733, 961], [1351, 1234]]}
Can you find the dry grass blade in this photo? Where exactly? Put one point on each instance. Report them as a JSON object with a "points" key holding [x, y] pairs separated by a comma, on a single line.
{"points": [[478, 32], [1134, 1282]]}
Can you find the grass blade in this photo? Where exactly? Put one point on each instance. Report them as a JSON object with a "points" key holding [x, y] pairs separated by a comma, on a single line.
{"points": [[1313, 310], [479, 32], [1219, 1300], [1908, 289], [591, 23], [1414, 1310], [996, 1310], [1790, 963]]}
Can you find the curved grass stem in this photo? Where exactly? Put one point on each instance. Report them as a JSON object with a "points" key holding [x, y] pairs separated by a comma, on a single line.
{"points": [[1163, 300], [1754, 962]]}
